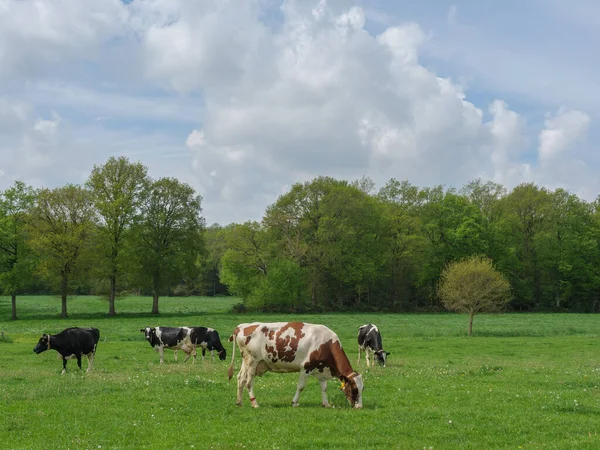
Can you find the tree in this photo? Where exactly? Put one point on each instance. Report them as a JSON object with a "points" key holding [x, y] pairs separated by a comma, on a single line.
{"points": [[168, 236], [116, 189], [62, 224], [210, 261], [244, 263], [15, 257], [473, 286]]}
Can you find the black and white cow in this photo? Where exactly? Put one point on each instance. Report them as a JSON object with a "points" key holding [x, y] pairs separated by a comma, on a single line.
{"points": [[208, 339], [173, 338], [71, 343], [369, 340]]}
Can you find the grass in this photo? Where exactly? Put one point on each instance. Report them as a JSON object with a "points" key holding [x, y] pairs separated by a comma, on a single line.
{"points": [[527, 381]]}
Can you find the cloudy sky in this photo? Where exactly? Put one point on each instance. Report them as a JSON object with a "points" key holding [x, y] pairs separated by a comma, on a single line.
{"points": [[241, 99]]}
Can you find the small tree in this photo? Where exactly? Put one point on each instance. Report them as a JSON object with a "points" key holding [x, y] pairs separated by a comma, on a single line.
{"points": [[472, 286]]}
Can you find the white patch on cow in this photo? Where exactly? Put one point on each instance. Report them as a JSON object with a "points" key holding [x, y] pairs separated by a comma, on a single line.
{"points": [[158, 333]]}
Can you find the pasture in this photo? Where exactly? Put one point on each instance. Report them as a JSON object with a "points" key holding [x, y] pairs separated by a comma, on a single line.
{"points": [[528, 381]]}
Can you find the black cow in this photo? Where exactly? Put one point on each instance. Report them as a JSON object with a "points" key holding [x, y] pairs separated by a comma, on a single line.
{"points": [[71, 343], [369, 340], [208, 339], [174, 338]]}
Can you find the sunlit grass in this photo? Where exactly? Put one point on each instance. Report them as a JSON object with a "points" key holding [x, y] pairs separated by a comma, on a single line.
{"points": [[523, 380]]}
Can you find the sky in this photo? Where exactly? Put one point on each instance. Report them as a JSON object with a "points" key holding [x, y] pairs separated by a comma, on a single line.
{"points": [[242, 99]]}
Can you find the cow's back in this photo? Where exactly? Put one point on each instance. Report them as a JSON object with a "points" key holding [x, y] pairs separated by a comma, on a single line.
{"points": [[84, 338], [282, 345]]}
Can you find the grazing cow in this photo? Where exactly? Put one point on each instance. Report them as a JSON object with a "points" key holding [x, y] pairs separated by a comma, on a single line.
{"points": [[173, 338], [208, 339], [71, 343], [284, 347], [369, 340]]}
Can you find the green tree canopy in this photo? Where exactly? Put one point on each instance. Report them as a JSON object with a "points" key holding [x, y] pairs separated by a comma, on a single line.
{"points": [[61, 231], [116, 189], [168, 236], [16, 262]]}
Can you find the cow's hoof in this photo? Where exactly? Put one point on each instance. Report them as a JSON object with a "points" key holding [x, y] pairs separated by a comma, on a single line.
{"points": [[294, 405], [238, 403], [326, 405], [255, 405]]}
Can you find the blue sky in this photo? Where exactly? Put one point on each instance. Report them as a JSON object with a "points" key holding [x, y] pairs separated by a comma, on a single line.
{"points": [[243, 99]]}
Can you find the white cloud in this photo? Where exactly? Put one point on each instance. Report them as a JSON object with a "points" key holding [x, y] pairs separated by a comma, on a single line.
{"points": [[507, 144], [240, 100], [565, 129]]}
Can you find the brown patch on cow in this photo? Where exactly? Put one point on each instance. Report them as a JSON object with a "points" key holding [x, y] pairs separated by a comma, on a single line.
{"points": [[322, 358], [265, 330], [291, 341], [329, 355], [234, 334], [248, 332], [271, 335]]}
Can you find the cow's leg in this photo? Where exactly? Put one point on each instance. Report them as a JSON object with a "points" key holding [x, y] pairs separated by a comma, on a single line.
{"points": [[161, 352], [300, 387], [78, 356], [323, 384], [367, 356], [250, 385], [194, 354], [175, 354], [64, 365], [358, 362], [241, 379], [212, 354], [203, 352], [90, 357]]}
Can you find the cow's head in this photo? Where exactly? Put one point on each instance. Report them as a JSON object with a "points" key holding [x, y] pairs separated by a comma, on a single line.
{"points": [[43, 344], [353, 388], [382, 357], [149, 333], [223, 355]]}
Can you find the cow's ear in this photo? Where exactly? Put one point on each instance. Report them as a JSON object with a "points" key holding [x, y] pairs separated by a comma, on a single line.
{"points": [[142, 330], [388, 353]]}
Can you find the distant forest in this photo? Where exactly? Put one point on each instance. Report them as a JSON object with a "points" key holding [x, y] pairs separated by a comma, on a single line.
{"points": [[326, 245]]}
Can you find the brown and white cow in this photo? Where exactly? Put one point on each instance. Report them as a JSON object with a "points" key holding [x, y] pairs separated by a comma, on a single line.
{"points": [[284, 347]]}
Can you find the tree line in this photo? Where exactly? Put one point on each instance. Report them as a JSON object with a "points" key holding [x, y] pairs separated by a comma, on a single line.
{"points": [[326, 245], [120, 232], [330, 245]]}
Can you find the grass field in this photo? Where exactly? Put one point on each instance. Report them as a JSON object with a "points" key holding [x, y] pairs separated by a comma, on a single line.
{"points": [[528, 381]]}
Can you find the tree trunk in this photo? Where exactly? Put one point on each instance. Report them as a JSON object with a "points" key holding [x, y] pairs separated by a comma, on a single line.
{"points": [[155, 302], [471, 324], [112, 295], [14, 306], [63, 295]]}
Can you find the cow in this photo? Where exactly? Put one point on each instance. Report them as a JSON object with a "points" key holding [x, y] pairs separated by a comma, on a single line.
{"points": [[369, 340], [284, 347], [173, 338], [71, 343], [208, 339]]}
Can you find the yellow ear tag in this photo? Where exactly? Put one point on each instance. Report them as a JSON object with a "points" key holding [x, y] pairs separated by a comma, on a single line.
{"points": [[343, 384]]}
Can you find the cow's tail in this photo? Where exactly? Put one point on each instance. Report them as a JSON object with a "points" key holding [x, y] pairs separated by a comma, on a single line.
{"points": [[230, 370]]}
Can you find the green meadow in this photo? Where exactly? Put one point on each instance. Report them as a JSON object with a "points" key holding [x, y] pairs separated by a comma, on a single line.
{"points": [[529, 381]]}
